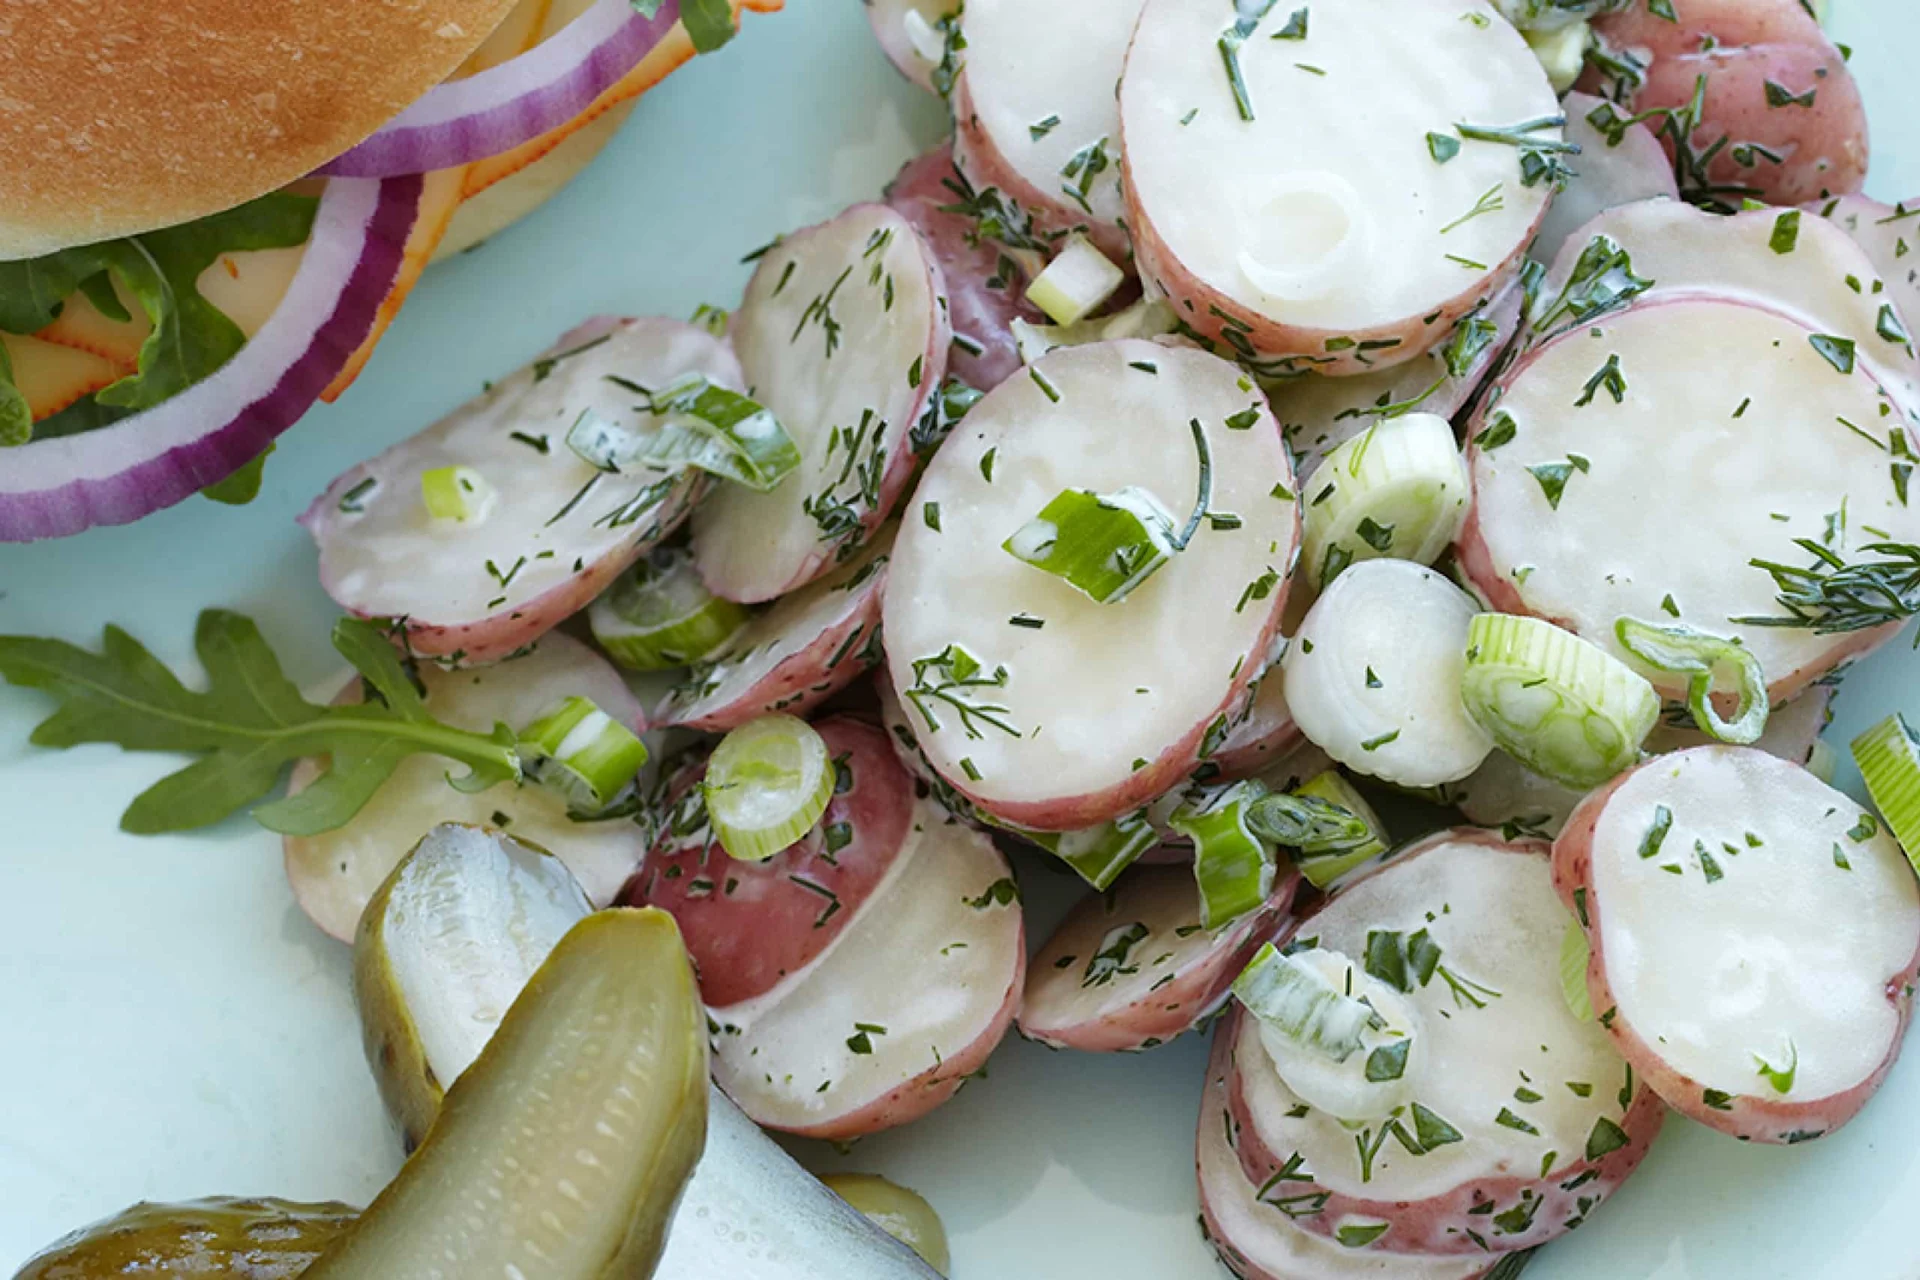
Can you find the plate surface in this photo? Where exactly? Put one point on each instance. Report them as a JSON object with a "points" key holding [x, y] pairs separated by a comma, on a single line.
{"points": [[173, 1026]]}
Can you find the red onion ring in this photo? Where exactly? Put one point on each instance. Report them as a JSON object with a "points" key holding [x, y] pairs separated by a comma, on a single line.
{"points": [[52, 488], [496, 110]]}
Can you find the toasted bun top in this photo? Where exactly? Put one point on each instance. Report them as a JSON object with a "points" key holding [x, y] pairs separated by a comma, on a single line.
{"points": [[120, 116]]}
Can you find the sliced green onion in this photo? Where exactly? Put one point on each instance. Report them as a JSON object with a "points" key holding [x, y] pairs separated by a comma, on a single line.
{"points": [[1683, 651], [767, 783], [659, 615], [1143, 319], [581, 752], [1561, 51], [1099, 854], [1234, 867], [1398, 489], [1104, 544], [1889, 760], [1300, 1003], [1078, 279], [457, 493], [1562, 707], [1327, 824], [1573, 972], [705, 426]]}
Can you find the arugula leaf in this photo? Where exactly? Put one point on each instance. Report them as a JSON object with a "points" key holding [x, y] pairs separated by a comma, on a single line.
{"points": [[191, 338], [709, 23], [243, 486], [249, 724]]}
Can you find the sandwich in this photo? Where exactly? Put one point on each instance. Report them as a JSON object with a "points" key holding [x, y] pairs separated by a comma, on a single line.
{"points": [[212, 209]]}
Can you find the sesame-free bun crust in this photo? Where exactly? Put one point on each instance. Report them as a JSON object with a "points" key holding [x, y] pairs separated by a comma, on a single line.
{"points": [[120, 116]]}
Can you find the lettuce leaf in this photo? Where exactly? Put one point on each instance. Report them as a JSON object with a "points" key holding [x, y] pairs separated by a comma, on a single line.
{"points": [[191, 338]]}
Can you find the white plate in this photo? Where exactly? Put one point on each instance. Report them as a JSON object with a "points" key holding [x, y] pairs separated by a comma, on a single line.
{"points": [[172, 1026]]}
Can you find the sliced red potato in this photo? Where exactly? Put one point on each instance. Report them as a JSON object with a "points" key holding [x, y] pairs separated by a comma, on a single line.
{"points": [[1506, 794], [1606, 174], [1612, 421], [843, 335], [887, 1022], [1754, 937], [1255, 1240], [808, 646], [751, 925], [1133, 968], [1262, 733], [1373, 675], [334, 875], [1034, 111], [1816, 275], [1317, 413], [986, 289], [909, 34], [1088, 721], [557, 529], [1888, 235], [1350, 245], [1782, 119], [1520, 1119]]}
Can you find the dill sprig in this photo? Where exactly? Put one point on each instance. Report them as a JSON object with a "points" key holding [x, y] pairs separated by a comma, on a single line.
{"points": [[1832, 596]]}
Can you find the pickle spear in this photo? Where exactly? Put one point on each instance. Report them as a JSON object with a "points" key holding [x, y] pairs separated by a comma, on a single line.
{"points": [[561, 1152], [220, 1236]]}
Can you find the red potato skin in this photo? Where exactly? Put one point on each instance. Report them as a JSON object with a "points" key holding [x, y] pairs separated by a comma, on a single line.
{"points": [[491, 639], [936, 1085], [984, 166], [744, 942], [1497, 590], [1438, 1225], [1267, 734], [974, 307], [1824, 146], [1156, 1016], [803, 680], [1748, 1118]]}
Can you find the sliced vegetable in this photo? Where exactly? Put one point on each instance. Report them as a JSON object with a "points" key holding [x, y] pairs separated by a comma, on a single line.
{"points": [[767, 783], [1600, 425], [1374, 675], [1075, 284], [1700, 658], [460, 494], [903, 1214], [659, 615], [1263, 733], [1532, 1120], [1739, 868], [1234, 866], [1288, 992], [1099, 854], [581, 752], [248, 726], [810, 644], [914, 34], [1257, 230], [843, 336], [255, 1239], [708, 427], [1044, 708], [1888, 756], [1343, 1038], [334, 874], [171, 451], [1324, 823], [1106, 544], [1564, 708], [1617, 166], [1133, 968], [472, 593], [1399, 489]]}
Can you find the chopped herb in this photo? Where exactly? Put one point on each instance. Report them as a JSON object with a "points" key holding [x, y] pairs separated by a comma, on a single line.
{"points": [[1837, 352], [1442, 146], [1041, 128], [1786, 232]]}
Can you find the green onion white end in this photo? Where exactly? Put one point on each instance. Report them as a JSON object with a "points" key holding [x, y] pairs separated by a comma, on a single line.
{"points": [[659, 615], [1397, 489], [1344, 1041], [459, 494], [1105, 544], [767, 784], [1562, 52], [1684, 651], [1078, 280], [1889, 760], [1565, 708], [696, 423], [1234, 866], [581, 752]]}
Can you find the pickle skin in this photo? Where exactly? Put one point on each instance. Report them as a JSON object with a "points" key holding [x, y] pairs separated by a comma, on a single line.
{"points": [[901, 1212], [242, 1239]]}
